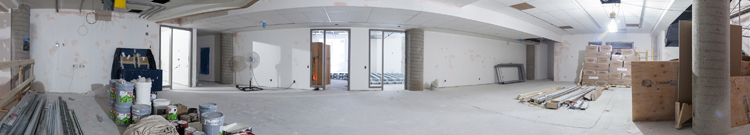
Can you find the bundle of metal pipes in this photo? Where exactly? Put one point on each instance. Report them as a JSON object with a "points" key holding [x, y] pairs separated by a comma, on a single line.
{"points": [[34, 115]]}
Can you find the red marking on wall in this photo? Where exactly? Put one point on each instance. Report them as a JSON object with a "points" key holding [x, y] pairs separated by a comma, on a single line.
{"points": [[75, 60], [120, 43], [154, 36], [367, 5], [74, 42], [339, 3], [104, 77], [50, 17], [84, 62], [78, 54], [106, 41], [64, 13], [104, 60], [450, 61], [101, 51], [105, 70], [123, 27], [436, 66], [471, 50], [97, 44], [36, 15], [295, 42]]}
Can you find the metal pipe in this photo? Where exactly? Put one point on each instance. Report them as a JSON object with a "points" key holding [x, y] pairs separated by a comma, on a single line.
{"points": [[548, 96]]}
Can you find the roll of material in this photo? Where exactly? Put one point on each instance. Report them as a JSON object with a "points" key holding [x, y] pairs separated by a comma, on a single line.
{"points": [[212, 123], [143, 93], [160, 106]]}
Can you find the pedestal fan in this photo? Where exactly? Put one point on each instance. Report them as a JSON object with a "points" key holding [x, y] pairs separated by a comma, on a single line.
{"points": [[239, 63]]}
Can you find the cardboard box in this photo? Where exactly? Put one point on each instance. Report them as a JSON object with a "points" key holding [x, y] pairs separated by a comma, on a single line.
{"points": [[589, 72], [593, 95], [599, 54], [615, 63], [626, 76], [620, 82], [605, 48], [592, 49], [655, 90], [602, 83], [615, 76], [625, 57], [588, 83], [619, 70], [603, 61], [593, 78], [604, 73], [745, 70], [593, 66], [627, 64], [590, 60], [627, 52]]}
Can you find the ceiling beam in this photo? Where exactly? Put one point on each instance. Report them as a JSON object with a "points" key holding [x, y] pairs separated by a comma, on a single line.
{"points": [[587, 14], [643, 13]]}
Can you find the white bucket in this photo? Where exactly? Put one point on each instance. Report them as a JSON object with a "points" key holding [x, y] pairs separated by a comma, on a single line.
{"points": [[160, 106], [143, 93]]}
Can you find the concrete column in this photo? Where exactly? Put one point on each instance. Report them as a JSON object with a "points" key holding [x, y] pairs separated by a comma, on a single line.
{"points": [[711, 109], [415, 55]]}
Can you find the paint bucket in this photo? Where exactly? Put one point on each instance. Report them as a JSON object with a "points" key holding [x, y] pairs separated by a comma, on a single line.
{"points": [[124, 94], [153, 97], [199, 133], [193, 117], [112, 90], [171, 112], [212, 123], [122, 115], [185, 117], [181, 125], [207, 108], [160, 105], [143, 93], [192, 110], [139, 111], [190, 130], [112, 109]]}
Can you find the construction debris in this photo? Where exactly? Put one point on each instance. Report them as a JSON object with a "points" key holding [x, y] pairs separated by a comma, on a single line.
{"points": [[35, 115], [574, 97]]}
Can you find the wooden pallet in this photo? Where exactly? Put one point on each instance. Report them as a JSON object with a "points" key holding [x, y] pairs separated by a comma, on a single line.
{"points": [[619, 86]]}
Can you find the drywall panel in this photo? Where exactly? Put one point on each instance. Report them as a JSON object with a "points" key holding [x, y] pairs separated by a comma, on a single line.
{"points": [[91, 45], [569, 52], [207, 41], [284, 57], [458, 60]]}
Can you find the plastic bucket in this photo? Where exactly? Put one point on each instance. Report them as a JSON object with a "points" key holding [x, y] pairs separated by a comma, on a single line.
{"points": [[160, 106], [143, 93], [122, 115], [208, 107], [112, 109], [112, 90], [212, 123], [172, 112], [140, 111], [124, 94]]}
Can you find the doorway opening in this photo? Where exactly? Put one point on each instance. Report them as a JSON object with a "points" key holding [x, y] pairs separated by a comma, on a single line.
{"points": [[176, 49], [330, 59], [387, 59]]}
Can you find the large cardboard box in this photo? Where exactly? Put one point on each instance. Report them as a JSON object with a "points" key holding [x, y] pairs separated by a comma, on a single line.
{"points": [[599, 54], [588, 83], [589, 72], [604, 73], [594, 78], [627, 52], [615, 63], [619, 81], [592, 49], [615, 76], [654, 90], [619, 70], [745, 70], [626, 76], [593, 95], [627, 64], [590, 60], [593, 66], [625, 57], [603, 61], [605, 48], [601, 83]]}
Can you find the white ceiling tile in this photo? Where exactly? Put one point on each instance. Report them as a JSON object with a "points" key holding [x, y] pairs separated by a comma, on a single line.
{"points": [[349, 9], [358, 17], [558, 23], [395, 11], [560, 15], [438, 21], [297, 18], [224, 19], [279, 19], [533, 11], [317, 16], [399, 19], [339, 16], [545, 16], [452, 24], [564, 4], [510, 2], [543, 5], [379, 17], [418, 20], [301, 10]]}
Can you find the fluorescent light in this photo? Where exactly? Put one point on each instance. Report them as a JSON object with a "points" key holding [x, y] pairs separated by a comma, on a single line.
{"points": [[612, 26]]}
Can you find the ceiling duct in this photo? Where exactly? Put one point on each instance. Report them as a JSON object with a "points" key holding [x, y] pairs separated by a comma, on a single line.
{"points": [[154, 8]]}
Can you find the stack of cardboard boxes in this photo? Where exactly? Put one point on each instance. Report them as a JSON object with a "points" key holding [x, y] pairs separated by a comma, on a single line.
{"points": [[619, 67], [596, 65]]}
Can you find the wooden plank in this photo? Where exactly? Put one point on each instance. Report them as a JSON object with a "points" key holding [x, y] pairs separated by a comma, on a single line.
{"points": [[8, 96], [735, 50], [654, 90], [686, 112], [530, 94], [740, 100], [685, 91], [9, 64]]}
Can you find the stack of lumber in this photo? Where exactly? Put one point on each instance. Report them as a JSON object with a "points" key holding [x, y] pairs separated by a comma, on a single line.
{"points": [[557, 97]]}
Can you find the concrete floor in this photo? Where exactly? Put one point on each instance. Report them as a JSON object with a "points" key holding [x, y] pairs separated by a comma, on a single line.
{"points": [[481, 109]]}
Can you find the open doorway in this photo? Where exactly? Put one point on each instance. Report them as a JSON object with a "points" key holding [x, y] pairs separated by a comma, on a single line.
{"points": [[176, 49], [330, 59], [208, 62], [387, 59]]}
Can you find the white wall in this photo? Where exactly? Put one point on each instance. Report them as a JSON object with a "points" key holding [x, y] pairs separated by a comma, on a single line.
{"points": [[569, 53], [5, 52], [203, 42], [92, 45], [542, 61], [458, 60], [284, 57]]}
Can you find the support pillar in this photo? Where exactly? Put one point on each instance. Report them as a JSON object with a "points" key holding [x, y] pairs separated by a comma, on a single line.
{"points": [[415, 56], [711, 86]]}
